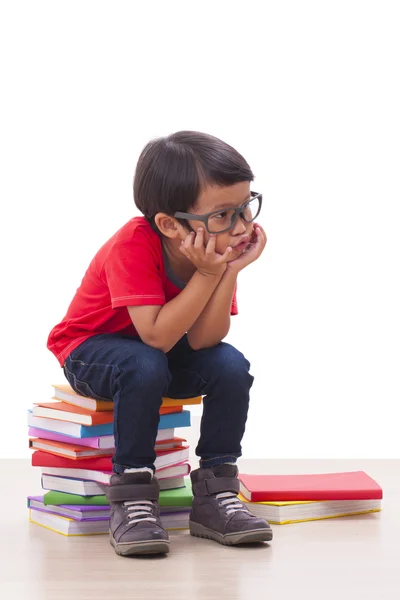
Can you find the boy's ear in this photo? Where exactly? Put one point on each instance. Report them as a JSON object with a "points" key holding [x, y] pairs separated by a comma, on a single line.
{"points": [[167, 225]]}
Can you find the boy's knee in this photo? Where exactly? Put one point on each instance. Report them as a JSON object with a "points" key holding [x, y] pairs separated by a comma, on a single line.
{"points": [[230, 361]]}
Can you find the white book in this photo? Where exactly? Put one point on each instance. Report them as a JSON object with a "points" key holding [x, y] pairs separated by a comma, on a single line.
{"points": [[290, 512], [171, 458], [71, 485], [63, 427]]}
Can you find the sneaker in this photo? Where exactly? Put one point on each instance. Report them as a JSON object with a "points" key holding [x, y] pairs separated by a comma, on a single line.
{"points": [[135, 525], [218, 514]]}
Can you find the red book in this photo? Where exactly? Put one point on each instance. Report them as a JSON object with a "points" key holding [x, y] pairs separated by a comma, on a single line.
{"points": [[355, 485], [103, 463]]}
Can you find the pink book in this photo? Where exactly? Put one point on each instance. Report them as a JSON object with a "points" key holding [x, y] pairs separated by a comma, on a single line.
{"points": [[103, 442]]}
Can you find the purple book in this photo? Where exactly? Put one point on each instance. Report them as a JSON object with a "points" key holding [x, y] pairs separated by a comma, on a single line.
{"points": [[71, 511], [103, 442]]}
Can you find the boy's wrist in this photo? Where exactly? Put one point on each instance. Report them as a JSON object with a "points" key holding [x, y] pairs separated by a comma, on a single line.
{"points": [[213, 275]]}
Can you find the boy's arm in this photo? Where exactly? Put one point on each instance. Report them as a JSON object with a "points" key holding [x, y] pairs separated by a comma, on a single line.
{"points": [[162, 327], [214, 321]]}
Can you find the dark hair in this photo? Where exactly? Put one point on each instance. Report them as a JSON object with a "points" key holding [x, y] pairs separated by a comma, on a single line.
{"points": [[172, 170]]}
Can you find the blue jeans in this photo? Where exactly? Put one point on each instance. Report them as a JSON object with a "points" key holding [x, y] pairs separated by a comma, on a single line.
{"points": [[136, 376]]}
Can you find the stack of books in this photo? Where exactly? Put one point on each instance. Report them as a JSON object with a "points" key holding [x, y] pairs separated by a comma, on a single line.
{"points": [[73, 445], [282, 499]]}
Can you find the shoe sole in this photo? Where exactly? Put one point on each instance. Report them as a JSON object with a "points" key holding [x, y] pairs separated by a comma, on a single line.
{"points": [[231, 539], [146, 547]]}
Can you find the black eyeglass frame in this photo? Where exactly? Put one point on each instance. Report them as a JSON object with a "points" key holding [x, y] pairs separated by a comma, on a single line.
{"points": [[239, 210]]}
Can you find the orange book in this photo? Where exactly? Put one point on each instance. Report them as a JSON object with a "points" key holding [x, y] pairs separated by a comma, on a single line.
{"points": [[66, 412], [68, 450], [65, 393], [62, 411]]}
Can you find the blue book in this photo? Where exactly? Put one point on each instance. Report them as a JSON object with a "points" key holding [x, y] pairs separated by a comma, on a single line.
{"points": [[172, 420], [180, 419]]}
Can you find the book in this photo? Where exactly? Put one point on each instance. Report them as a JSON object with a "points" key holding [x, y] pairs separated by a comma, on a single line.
{"points": [[181, 419], [74, 481], [66, 525], [65, 393], [73, 414], [103, 442], [164, 458], [72, 527], [76, 451], [66, 428], [182, 497], [55, 498], [84, 488], [73, 485], [281, 513], [356, 485], [66, 412], [176, 520], [77, 512], [71, 451]]}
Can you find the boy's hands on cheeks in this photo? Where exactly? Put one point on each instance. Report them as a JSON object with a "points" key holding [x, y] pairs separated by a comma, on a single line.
{"points": [[253, 251], [205, 259]]}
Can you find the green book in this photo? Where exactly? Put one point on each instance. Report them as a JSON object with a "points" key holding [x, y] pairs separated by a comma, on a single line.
{"points": [[57, 498], [178, 497]]}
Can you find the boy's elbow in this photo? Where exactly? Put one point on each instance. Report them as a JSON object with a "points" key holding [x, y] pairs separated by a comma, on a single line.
{"points": [[159, 344]]}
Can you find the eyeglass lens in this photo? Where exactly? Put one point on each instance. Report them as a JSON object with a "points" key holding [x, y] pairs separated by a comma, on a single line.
{"points": [[223, 220]]}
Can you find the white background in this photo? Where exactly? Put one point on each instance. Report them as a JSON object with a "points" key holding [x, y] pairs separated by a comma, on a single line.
{"points": [[309, 93]]}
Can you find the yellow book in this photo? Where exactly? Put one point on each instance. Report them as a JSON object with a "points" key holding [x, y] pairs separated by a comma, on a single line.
{"points": [[283, 513], [65, 393], [72, 527], [67, 526]]}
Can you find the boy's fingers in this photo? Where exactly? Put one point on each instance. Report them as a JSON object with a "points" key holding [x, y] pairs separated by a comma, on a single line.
{"points": [[199, 239], [226, 254], [210, 248], [189, 240]]}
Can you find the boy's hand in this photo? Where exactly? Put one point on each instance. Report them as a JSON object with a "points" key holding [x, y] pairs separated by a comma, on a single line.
{"points": [[253, 251], [204, 258]]}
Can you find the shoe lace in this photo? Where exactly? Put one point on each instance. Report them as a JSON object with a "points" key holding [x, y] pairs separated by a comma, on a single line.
{"points": [[231, 503], [141, 509]]}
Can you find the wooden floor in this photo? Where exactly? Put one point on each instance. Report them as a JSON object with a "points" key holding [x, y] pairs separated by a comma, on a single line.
{"points": [[338, 559]]}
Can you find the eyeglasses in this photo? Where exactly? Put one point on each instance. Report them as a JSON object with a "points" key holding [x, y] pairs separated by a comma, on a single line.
{"points": [[219, 221]]}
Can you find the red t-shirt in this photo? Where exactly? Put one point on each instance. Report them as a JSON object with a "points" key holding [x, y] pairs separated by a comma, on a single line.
{"points": [[128, 270]]}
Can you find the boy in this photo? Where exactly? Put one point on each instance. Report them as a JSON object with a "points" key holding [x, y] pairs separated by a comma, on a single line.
{"points": [[147, 321]]}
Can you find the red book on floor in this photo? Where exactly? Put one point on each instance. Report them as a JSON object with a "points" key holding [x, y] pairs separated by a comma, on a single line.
{"points": [[355, 485], [45, 459]]}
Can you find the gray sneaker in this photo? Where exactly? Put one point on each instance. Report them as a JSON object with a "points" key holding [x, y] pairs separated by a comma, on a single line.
{"points": [[218, 514], [135, 526]]}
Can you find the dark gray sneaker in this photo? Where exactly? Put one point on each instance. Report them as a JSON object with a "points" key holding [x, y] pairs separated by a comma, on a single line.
{"points": [[135, 526], [218, 514]]}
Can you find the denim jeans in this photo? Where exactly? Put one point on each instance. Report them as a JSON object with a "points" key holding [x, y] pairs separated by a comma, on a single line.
{"points": [[136, 376]]}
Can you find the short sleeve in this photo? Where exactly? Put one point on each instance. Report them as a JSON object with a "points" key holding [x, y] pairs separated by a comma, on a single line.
{"points": [[132, 273], [234, 307]]}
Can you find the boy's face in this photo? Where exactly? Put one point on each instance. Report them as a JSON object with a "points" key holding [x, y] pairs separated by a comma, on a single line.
{"points": [[218, 198]]}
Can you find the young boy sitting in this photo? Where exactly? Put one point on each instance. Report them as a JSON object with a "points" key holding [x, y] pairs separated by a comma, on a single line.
{"points": [[147, 321]]}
